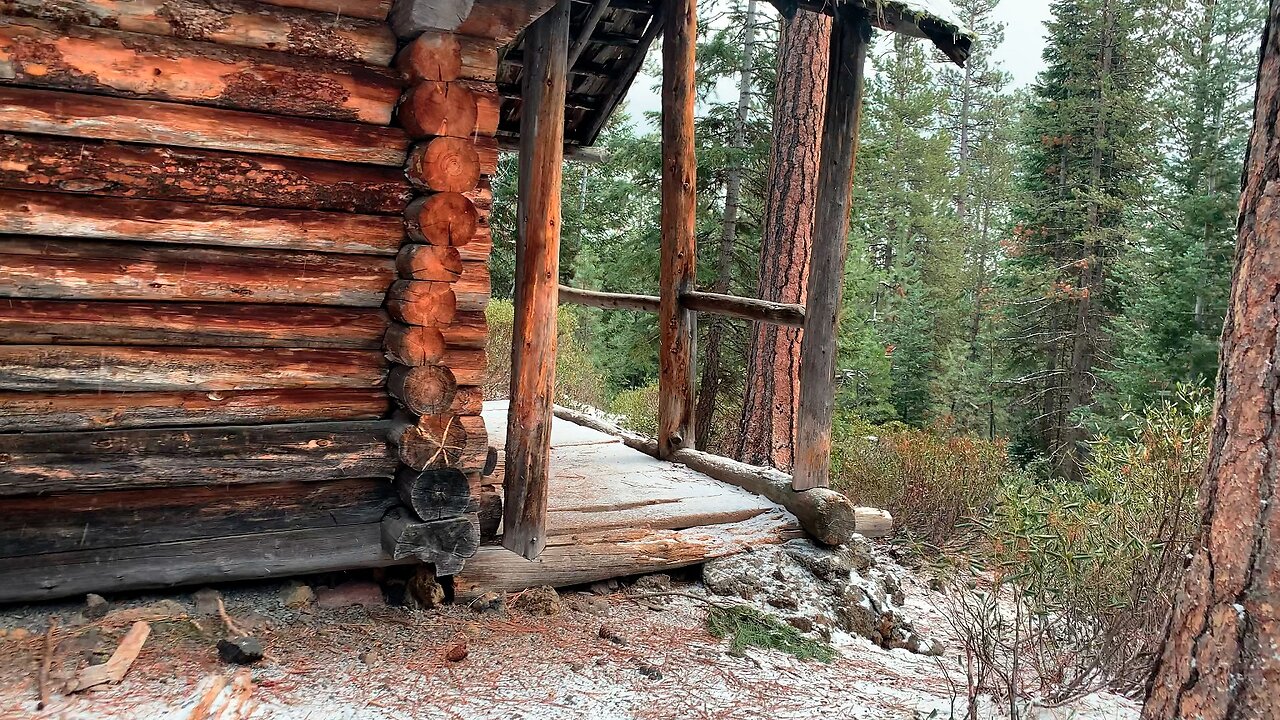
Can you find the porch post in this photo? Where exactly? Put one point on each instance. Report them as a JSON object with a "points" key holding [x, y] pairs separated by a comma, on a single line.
{"points": [[678, 331], [533, 361], [849, 39]]}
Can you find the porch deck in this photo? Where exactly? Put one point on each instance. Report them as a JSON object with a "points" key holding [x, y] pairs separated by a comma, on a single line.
{"points": [[615, 511]]}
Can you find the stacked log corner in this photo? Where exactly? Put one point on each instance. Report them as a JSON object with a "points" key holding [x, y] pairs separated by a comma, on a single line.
{"points": [[436, 341]]}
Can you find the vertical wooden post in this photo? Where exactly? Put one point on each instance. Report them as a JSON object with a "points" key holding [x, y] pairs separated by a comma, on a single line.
{"points": [[849, 39], [537, 281], [679, 219]]}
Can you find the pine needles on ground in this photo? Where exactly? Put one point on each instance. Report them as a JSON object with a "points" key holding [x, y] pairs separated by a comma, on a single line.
{"points": [[748, 627]]}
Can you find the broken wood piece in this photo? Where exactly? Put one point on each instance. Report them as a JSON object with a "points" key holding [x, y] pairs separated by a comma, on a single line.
{"points": [[445, 544], [113, 670]]}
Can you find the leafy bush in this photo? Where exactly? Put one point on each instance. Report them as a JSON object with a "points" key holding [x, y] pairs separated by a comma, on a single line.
{"points": [[637, 409], [577, 379]]}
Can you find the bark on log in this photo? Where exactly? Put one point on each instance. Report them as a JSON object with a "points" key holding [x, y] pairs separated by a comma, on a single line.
{"points": [[42, 463], [367, 9], [58, 214], [133, 65], [431, 109], [45, 368], [444, 57], [224, 22], [745, 308], [106, 118], [436, 494], [167, 173], [423, 390], [448, 219], [444, 544], [421, 303], [489, 512], [110, 519], [441, 441], [53, 412], [434, 263], [444, 164], [468, 330], [53, 322], [413, 345]]}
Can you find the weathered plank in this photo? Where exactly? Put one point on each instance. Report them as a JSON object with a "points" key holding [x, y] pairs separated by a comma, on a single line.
{"points": [[69, 114], [445, 544], [41, 54], [44, 368], [191, 562], [169, 173], [54, 412], [83, 461], [64, 215], [88, 521], [57, 322], [225, 22]]}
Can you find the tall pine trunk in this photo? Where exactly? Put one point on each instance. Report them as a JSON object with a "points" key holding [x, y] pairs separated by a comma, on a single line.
{"points": [[1221, 659], [712, 366], [768, 427]]}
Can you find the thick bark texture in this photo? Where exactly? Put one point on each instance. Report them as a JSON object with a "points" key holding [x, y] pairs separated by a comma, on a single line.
{"points": [[1222, 654], [767, 435]]}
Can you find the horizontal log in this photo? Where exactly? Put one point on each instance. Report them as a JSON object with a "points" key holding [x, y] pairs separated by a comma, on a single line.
{"points": [[499, 20], [44, 368], [80, 270], [421, 303], [422, 390], [81, 461], [443, 544], [83, 521], [169, 173], [469, 366], [788, 314], [36, 53], [435, 263], [445, 164], [192, 562], [70, 114], [473, 289], [448, 219], [437, 494], [225, 22], [413, 345], [488, 111], [431, 109], [489, 512], [441, 441], [367, 9], [608, 300], [469, 400], [54, 412], [481, 246], [437, 56], [56, 322], [63, 215], [468, 330]]}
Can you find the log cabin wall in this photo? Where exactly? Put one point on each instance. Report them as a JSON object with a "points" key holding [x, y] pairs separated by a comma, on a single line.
{"points": [[228, 278]]}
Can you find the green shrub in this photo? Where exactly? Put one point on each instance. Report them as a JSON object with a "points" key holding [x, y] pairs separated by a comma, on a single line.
{"points": [[577, 379], [637, 409]]}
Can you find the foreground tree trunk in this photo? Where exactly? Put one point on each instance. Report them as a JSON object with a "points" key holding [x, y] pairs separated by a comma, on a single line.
{"points": [[1221, 658], [768, 427]]}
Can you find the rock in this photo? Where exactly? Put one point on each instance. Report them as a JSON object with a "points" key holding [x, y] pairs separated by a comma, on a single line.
{"points": [[297, 595], [785, 601], [366, 594], [604, 587], [826, 565], [19, 634], [95, 606], [426, 592], [538, 601], [369, 657], [801, 623], [206, 600], [488, 602], [608, 633], [650, 671], [658, 582], [577, 666], [593, 604], [457, 653], [240, 650]]}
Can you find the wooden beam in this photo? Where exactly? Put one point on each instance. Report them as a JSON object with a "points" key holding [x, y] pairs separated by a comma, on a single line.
{"points": [[588, 28], [367, 9], [608, 300], [677, 324], [537, 276], [444, 544], [498, 20], [745, 308], [850, 37], [625, 77]]}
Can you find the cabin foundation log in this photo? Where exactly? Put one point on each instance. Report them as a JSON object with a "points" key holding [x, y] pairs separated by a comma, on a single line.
{"points": [[445, 544], [437, 494]]}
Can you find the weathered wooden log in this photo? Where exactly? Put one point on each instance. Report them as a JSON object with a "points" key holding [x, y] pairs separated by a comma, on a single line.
{"points": [[167, 173], [490, 511], [437, 56], [109, 62], [746, 308], [448, 219], [413, 345], [499, 20], [481, 245], [192, 562], [421, 303], [487, 153], [444, 544], [609, 301], [367, 9], [446, 164], [293, 260], [74, 270], [468, 330], [52, 412], [422, 390], [106, 118], [469, 400], [81, 461], [431, 109], [469, 366], [225, 22], [53, 322], [473, 288], [488, 108], [86, 521], [436, 263], [440, 441], [63, 215], [437, 494], [44, 368]]}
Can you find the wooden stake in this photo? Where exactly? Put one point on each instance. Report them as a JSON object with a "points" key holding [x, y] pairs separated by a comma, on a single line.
{"points": [[849, 39], [537, 274], [679, 220]]}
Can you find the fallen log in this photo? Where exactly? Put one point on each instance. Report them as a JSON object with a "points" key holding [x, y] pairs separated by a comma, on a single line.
{"points": [[110, 62], [422, 303], [447, 219], [435, 263], [437, 56], [70, 114], [422, 390], [445, 544], [437, 494]]}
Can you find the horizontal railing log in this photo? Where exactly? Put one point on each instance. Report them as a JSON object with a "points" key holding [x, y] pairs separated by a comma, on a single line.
{"points": [[745, 308], [607, 300]]}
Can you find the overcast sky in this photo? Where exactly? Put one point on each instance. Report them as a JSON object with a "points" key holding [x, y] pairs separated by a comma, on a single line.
{"points": [[1019, 54]]}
